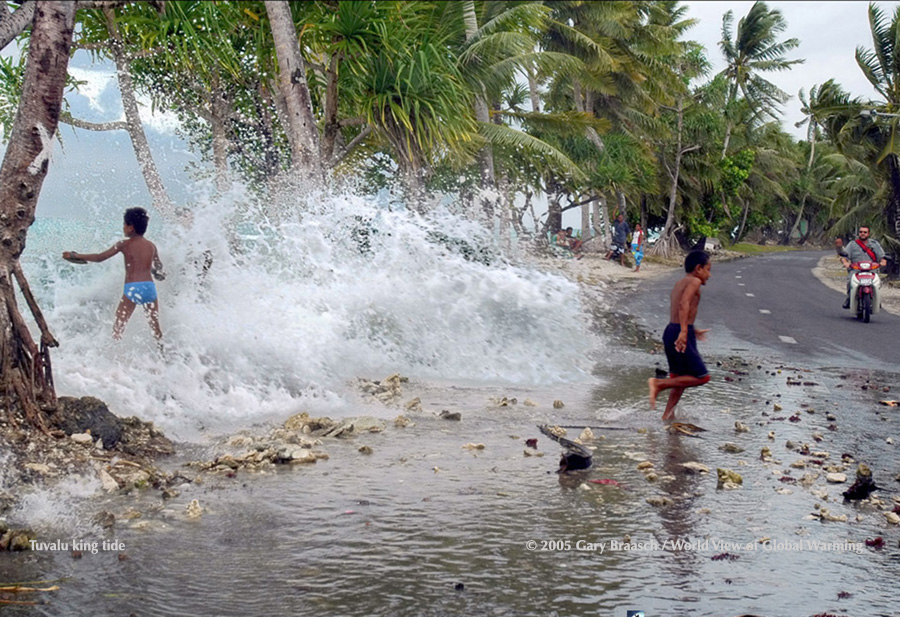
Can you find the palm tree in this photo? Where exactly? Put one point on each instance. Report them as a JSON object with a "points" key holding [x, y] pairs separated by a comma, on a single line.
{"points": [[822, 102], [752, 51], [881, 66]]}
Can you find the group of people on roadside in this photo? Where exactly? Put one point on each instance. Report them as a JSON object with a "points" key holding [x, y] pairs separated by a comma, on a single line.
{"points": [[567, 240], [621, 231]]}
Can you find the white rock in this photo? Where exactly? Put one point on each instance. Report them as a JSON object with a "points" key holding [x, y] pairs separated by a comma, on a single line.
{"points": [[302, 455], [81, 438], [694, 467], [836, 478], [892, 518], [38, 467], [194, 510], [107, 481]]}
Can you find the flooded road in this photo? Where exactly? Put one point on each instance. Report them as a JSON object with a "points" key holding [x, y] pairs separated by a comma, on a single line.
{"points": [[423, 526]]}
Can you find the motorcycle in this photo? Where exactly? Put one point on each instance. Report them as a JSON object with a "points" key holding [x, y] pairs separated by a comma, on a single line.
{"points": [[615, 252], [865, 285]]}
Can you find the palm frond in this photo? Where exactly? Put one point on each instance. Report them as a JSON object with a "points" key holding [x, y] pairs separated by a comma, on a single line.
{"points": [[506, 137]]}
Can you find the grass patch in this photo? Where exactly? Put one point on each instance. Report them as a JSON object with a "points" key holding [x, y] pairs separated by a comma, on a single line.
{"points": [[755, 249]]}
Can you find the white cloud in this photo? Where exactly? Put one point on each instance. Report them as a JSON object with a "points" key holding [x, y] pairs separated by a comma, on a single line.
{"points": [[164, 122], [95, 83]]}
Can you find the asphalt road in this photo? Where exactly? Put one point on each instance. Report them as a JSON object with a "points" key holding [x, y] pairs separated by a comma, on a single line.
{"points": [[773, 306]]}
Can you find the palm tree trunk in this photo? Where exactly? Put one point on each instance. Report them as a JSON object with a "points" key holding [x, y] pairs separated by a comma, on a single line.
{"points": [[219, 111], [727, 139], [152, 179], [486, 154], [26, 370], [667, 237], [301, 129], [740, 232], [607, 227], [596, 228], [585, 220], [533, 92], [796, 226], [332, 128]]}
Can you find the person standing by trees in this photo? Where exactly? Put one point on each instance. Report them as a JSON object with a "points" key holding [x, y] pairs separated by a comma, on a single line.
{"points": [[637, 246], [620, 238]]}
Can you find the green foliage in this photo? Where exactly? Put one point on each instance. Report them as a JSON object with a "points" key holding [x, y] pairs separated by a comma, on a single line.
{"points": [[398, 81], [12, 75], [736, 170]]}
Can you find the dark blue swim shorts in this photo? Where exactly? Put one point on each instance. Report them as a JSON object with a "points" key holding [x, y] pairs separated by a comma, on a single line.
{"points": [[688, 362]]}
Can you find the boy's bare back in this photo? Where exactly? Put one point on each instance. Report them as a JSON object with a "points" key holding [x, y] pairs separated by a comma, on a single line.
{"points": [[141, 259], [685, 294]]}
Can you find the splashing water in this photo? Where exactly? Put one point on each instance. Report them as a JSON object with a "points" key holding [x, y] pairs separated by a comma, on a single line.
{"points": [[293, 306]]}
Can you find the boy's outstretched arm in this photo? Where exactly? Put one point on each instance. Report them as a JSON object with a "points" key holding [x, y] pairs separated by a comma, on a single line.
{"points": [[95, 257]]}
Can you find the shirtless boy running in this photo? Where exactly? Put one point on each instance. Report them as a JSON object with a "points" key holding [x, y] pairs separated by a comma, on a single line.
{"points": [[142, 264], [686, 368]]}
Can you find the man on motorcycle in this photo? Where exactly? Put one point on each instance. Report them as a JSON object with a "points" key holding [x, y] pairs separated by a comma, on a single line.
{"points": [[861, 249]]}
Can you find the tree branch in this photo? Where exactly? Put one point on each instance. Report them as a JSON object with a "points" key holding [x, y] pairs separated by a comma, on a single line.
{"points": [[90, 46], [67, 118], [581, 203], [353, 143], [47, 338], [12, 25], [359, 120]]}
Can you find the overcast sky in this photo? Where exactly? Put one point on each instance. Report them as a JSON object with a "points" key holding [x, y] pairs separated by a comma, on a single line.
{"points": [[829, 33], [92, 167]]}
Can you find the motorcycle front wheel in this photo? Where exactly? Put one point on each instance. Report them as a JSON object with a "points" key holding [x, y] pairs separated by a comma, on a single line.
{"points": [[866, 307]]}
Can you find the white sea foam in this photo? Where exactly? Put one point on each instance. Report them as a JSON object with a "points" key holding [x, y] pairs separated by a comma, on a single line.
{"points": [[296, 305]]}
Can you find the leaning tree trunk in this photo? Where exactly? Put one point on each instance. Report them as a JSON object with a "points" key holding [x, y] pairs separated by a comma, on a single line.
{"points": [[301, 129], [795, 228], [26, 372], [487, 195], [740, 232], [667, 240], [135, 128]]}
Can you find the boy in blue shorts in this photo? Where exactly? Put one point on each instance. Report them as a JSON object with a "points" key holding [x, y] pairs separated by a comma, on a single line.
{"points": [[686, 368], [142, 264]]}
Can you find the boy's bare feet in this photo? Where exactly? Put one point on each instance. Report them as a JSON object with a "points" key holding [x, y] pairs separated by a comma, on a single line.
{"points": [[654, 391], [669, 415]]}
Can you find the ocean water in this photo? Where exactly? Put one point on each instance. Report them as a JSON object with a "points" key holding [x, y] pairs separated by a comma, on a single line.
{"points": [[295, 306]]}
